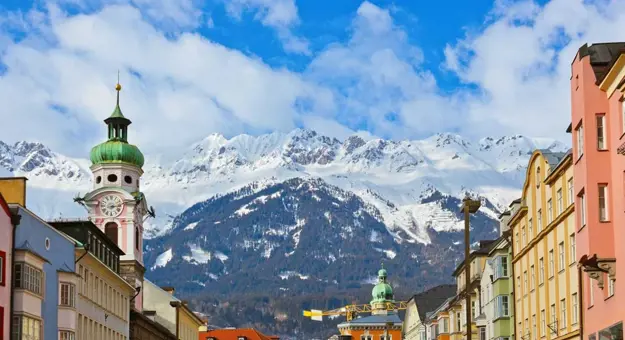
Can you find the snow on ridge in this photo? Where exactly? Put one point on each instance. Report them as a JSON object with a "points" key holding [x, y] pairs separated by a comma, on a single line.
{"points": [[288, 274], [198, 255], [191, 226], [163, 259]]}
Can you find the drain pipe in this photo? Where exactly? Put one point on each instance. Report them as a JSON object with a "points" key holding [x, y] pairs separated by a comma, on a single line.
{"points": [[580, 312], [15, 221]]}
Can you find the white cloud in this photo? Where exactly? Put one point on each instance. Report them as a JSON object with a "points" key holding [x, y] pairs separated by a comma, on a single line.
{"points": [[280, 15], [521, 62]]}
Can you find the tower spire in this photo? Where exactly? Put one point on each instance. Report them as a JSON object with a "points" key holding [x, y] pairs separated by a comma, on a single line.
{"points": [[118, 88]]}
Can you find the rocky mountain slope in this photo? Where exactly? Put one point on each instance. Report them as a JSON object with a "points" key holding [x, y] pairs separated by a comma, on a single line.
{"points": [[299, 216]]}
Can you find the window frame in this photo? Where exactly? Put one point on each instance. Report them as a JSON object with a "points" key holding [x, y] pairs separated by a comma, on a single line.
{"points": [[561, 257], [579, 135], [572, 249], [602, 142], [17, 327], [560, 201], [571, 189], [541, 271], [574, 310], [67, 291], [603, 196], [552, 265], [27, 279], [562, 314], [549, 211]]}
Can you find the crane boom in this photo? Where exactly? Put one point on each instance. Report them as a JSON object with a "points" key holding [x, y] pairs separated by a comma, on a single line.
{"points": [[350, 311]]}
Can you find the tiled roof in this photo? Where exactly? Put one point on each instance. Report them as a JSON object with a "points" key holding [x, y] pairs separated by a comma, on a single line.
{"points": [[431, 299], [234, 334], [602, 57]]}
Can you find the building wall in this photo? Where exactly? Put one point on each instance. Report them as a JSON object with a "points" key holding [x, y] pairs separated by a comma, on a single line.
{"points": [[412, 322], [60, 254], [442, 320], [188, 327], [536, 239], [6, 254], [103, 301], [594, 167], [156, 299]]}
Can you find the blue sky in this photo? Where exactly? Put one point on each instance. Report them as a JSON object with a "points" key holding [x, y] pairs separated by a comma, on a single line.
{"points": [[393, 69]]}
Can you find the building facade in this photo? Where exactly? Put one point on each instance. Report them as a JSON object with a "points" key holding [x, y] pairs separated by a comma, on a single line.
{"points": [[497, 318], [171, 312], [546, 296], [598, 127], [104, 297], [43, 277], [417, 309], [6, 258]]}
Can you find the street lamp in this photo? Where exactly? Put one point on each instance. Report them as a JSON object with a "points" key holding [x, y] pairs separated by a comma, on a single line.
{"points": [[469, 207]]}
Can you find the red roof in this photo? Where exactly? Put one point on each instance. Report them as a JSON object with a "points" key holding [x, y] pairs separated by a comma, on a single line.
{"points": [[234, 334]]}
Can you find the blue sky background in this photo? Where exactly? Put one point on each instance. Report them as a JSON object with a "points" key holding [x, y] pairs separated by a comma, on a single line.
{"points": [[393, 69]]}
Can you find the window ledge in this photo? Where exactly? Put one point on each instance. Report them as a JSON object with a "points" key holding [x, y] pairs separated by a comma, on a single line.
{"points": [[606, 221], [561, 270], [608, 298]]}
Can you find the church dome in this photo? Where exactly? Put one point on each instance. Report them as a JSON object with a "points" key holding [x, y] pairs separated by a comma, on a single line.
{"points": [[116, 151], [382, 291]]}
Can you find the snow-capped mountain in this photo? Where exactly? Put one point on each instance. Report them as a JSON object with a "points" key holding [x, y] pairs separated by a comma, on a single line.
{"points": [[286, 216], [392, 176]]}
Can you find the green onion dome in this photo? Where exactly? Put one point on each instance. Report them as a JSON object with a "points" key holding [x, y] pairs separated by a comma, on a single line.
{"points": [[116, 151], [382, 292]]}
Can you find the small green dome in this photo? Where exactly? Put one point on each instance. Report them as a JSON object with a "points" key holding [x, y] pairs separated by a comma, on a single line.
{"points": [[116, 151], [382, 272], [382, 292]]}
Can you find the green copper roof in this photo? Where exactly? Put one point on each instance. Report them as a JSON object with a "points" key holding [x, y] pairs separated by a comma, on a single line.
{"points": [[116, 151], [382, 292]]}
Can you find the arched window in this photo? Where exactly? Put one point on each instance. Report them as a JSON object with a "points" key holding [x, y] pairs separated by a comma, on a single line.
{"points": [[110, 229], [538, 179]]}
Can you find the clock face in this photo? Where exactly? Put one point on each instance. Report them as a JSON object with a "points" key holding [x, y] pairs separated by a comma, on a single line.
{"points": [[111, 205]]}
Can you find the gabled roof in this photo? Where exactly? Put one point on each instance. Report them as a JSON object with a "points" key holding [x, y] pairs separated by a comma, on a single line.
{"points": [[602, 57], [429, 300], [234, 334]]}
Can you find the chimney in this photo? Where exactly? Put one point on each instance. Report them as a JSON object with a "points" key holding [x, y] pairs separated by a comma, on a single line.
{"points": [[169, 290]]}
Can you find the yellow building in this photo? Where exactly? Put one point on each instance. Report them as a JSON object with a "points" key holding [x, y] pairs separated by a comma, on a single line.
{"points": [[163, 307], [543, 257], [104, 297], [457, 310]]}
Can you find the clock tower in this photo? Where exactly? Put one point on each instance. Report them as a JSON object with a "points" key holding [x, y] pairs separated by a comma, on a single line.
{"points": [[116, 204]]}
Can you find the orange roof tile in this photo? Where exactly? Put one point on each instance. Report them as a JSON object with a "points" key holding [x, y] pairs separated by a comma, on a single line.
{"points": [[234, 334]]}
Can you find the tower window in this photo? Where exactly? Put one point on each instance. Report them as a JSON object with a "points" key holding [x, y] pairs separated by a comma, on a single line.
{"points": [[112, 178], [110, 229], [98, 179], [128, 179], [137, 238]]}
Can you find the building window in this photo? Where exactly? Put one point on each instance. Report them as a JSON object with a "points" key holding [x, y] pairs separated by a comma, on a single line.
{"points": [[549, 211], [574, 309], [534, 327], [580, 141], [553, 321], [501, 269], [502, 308], [551, 264], [524, 236], [562, 322], [458, 328], [66, 335], [539, 220], [137, 238], [591, 294], [29, 278], [110, 229], [561, 260], [516, 237], [473, 311], [533, 277], [570, 188], [68, 296], [559, 201], [611, 283], [541, 271], [518, 285], [543, 323], [582, 204], [603, 202], [538, 179], [25, 328], [482, 333], [572, 245], [525, 283], [601, 142], [3, 260]]}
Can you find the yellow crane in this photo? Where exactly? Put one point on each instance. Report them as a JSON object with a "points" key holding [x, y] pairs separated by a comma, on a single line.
{"points": [[350, 311]]}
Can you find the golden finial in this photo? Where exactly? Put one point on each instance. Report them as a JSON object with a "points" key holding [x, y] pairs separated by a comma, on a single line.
{"points": [[118, 87]]}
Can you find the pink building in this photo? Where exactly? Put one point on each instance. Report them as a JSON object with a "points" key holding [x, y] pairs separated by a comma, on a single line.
{"points": [[6, 246], [598, 129]]}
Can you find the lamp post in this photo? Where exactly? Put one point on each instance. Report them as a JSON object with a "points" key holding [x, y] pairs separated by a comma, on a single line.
{"points": [[469, 207]]}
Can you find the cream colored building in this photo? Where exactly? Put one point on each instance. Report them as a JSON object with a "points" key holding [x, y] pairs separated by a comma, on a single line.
{"points": [[546, 293], [163, 307]]}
